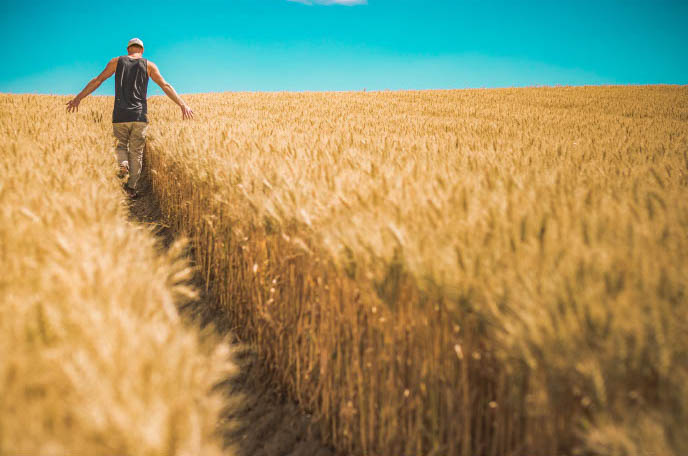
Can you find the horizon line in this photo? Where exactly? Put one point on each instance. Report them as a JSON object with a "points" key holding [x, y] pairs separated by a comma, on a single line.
{"points": [[534, 86]]}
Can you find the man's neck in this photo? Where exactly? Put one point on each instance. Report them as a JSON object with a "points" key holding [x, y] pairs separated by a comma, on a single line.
{"points": [[135, 55]]}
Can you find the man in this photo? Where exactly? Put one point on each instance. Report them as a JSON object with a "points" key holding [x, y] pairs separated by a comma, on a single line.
{"points": [[129, 116]]}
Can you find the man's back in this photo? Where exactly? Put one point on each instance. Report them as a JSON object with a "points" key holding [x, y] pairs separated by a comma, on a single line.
{"points": [[131, 85]]}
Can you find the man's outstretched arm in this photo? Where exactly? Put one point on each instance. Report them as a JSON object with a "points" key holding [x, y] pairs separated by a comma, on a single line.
{"points": [[93, 84], [187, 113]]}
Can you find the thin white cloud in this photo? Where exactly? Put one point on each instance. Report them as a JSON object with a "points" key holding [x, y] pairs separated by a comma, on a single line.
{"points": [[331, 2]]}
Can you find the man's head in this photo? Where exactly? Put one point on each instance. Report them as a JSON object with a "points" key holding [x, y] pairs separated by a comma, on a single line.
{"points": [[135, 45]]}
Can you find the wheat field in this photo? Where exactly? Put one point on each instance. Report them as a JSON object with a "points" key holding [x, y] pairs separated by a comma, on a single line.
{"points": [[466, 272]]}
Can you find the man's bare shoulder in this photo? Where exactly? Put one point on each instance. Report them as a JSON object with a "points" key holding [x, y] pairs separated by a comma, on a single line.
{"points": [[153, 70], [109, 70]]}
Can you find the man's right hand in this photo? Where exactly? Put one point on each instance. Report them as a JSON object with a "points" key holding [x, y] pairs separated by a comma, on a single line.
{"points": [[187, 113]]}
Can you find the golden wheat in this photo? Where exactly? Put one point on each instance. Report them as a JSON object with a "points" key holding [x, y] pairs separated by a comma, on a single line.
{"points": [[496, 272], [94, 358], [450, 272]]}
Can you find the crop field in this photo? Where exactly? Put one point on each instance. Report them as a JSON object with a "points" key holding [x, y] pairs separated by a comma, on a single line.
{"points": [[468, 272]]}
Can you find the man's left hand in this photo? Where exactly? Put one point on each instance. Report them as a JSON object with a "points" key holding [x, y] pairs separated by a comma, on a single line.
{"points": [[73, 105]]}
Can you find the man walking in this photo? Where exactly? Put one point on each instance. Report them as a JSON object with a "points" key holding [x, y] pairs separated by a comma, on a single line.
{"points": [[129, 116]]}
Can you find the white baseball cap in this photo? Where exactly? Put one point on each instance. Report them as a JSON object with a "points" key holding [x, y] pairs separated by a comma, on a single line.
{"points": [[135, 41]]}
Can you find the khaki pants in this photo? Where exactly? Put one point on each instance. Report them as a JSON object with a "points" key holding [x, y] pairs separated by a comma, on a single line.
{"points": [[131, 140]]}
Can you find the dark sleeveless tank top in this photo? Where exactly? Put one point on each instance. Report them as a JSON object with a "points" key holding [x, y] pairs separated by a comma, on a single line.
{"points": [[131, 86]]}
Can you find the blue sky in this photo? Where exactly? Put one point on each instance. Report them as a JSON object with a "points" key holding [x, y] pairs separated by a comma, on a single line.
{"points": [[256, 45]]}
